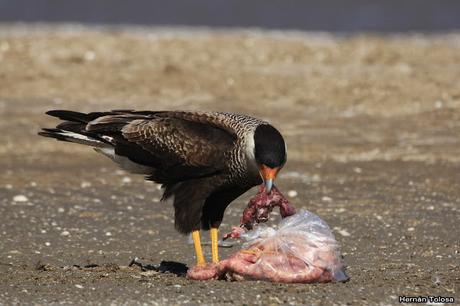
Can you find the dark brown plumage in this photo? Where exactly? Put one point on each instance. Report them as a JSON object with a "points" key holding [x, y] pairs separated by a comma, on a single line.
{"points": [[203, 160]]}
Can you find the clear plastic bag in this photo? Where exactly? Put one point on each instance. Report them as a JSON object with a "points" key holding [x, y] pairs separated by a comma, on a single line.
{"points": [[302, 250]]}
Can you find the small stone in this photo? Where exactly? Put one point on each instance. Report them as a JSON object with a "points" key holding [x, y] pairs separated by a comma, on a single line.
{"points": [[108, 234], [79, 286], [315, 178], [65, 233], [85, 184], [342, 232], [292, 193], [89, 56], [410, 229], [126, 180], [148, 273], [357, 170], [20, 198], [61, 210], [326, 199], [47, 243], [9, 186]]}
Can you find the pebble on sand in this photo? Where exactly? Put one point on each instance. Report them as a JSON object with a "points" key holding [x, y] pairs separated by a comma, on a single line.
{"points": [[292, 193], [85, 184], [342, 232], [89, 56], [20, 198]]}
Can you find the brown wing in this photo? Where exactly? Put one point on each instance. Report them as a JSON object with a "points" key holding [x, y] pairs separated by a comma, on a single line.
{"points": [[177, 145], [179, 142]]}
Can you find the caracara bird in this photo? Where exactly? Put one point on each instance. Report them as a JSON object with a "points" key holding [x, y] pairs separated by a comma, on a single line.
{"points": [[204, 160]]}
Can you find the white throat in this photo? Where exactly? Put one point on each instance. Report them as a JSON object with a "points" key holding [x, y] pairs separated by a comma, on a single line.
{"points": [[249, 152]]}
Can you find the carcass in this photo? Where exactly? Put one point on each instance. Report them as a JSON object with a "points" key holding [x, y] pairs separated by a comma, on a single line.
{"points": [[302, 249]]}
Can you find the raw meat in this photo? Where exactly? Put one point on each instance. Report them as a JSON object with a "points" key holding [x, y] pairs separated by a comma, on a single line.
{"points": [[302, 250], [259, 208]]}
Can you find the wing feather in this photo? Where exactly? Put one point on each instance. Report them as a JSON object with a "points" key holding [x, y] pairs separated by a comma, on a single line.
{"points": [[176, 145], [178, 142]]}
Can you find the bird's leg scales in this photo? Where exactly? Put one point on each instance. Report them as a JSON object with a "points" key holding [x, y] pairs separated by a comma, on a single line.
{"points": [[214, 245], [200, 261]]}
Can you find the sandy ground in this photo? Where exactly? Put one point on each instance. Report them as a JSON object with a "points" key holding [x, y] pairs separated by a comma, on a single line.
{"points": [[372, 125]]}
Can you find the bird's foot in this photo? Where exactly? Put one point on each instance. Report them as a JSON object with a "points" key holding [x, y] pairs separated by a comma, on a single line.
{"points": [[206, 272]]}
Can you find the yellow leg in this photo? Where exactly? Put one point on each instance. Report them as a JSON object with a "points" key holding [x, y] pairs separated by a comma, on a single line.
{"points": [[214, 245], [198, 250]]}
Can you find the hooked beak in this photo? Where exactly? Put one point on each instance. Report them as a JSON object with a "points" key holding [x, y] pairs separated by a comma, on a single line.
{"points": [[268, 175]]}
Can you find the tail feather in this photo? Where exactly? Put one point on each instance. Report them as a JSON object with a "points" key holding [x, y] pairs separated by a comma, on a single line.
{"points": [[75, 116], [71, 136], [87, 117], [110, 123], [75, 127], [96, 129]]}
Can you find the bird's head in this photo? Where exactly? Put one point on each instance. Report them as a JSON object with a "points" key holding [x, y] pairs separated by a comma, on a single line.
{"points": [[269, 153]]}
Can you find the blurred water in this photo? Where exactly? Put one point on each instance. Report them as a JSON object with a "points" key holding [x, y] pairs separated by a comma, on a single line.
{"points": [[326, 15]]}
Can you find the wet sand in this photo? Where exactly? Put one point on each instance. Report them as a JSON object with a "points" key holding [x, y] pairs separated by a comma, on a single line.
{"points": [[372, 126]]}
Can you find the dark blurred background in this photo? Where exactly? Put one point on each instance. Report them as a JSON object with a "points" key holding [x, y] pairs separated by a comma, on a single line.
{"points": [[326, 15]]}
